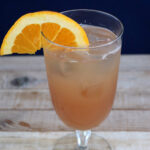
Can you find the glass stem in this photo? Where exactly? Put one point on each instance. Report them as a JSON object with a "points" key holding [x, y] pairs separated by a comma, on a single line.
{"points": [[82, 138]]}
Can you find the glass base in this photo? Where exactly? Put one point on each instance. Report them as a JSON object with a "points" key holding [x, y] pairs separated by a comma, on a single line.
{"points": [[69, 142]]}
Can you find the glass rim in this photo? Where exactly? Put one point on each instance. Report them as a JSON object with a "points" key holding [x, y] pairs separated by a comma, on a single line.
{"points": [[89, 47]]}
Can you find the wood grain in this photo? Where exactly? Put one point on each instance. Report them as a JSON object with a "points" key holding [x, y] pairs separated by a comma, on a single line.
{"points": [[118, 120], [128, 63], [26, 99], [46, 141], [38, 80], [26, 106]]}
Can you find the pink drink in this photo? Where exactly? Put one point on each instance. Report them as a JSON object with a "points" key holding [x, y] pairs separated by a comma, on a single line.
{"points": [[83, 84]]}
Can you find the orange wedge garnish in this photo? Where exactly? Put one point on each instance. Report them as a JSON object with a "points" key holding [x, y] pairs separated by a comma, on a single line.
{"points": [[24, 37]]}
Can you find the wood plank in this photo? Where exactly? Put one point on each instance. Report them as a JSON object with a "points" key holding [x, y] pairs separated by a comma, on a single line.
{"points": [[128, 63], [38, 80], [34, 99], [133, 88], [132, 100], [118, 120], [26, 107], [133, 91], [47, 141], [135, 63], [25, 99], [22, 63], [23, 79]]}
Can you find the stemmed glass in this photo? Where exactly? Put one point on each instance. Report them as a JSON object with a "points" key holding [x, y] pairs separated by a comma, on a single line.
{"points": [[83, 83]]}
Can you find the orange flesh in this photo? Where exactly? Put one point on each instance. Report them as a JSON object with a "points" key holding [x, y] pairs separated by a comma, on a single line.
{"points": [[63, 37], [29, 39], [24, 37]]}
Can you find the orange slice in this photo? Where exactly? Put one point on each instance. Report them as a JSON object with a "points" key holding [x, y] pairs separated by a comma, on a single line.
{"points": [[24, 37]]}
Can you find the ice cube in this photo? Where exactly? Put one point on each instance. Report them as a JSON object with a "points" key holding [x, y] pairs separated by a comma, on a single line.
{"points": [[65, 69], [92, 91]]}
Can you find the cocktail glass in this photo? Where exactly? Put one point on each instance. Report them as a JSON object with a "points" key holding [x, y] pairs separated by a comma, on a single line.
{"points": [[82, 81]]}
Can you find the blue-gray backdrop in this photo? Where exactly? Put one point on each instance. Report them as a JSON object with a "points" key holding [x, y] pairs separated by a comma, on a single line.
{"points": [[135, 15]]}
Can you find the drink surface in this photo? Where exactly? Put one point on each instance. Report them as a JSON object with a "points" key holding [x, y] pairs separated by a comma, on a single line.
{"points": [[83, 84]]}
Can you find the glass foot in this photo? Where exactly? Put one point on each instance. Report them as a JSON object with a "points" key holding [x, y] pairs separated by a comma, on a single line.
{"points": [[69, 142]]}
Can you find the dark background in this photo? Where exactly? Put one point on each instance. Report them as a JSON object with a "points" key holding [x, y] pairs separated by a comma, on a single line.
{"points": [[135, 15]]}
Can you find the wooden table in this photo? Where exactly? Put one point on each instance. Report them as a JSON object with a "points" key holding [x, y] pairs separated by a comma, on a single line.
{"points": [[25, 106]]}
